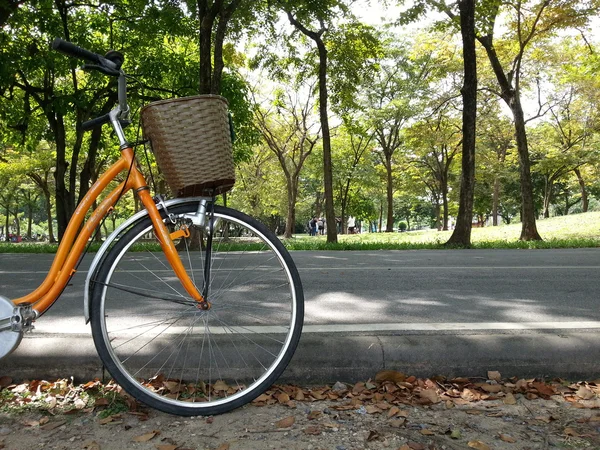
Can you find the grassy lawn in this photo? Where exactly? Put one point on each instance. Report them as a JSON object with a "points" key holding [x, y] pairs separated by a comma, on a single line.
{"points": [[573, 231], [577, 230]]}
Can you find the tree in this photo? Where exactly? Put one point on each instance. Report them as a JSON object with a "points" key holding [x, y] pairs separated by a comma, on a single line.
{"points": [[298, 17], [435, 142], [291, 135], [351, 149], [392, 102], [462, 231]]}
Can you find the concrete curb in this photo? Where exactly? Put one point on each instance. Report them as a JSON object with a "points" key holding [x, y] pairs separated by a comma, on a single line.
{"points": [[323, 358]]}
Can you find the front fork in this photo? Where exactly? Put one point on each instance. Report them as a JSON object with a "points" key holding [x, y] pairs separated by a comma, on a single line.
{"points": [[198, 219]]}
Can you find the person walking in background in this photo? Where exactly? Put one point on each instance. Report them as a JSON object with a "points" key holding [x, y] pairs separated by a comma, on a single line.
{"points": [[313, 226], [321, 225], [351, 225]]}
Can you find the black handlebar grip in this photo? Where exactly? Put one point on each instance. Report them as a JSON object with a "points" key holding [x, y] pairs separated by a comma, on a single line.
{"points": [[97, 122], [70, 49]]}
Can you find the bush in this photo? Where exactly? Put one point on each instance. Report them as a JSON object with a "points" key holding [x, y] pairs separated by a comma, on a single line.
{"points": [[402, 226]]}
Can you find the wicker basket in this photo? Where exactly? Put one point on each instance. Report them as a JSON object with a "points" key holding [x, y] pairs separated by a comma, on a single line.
{"points": [[191, 140]]}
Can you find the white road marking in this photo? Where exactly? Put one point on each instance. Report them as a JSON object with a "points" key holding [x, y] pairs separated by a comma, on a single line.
{"points": [[72, 326]]}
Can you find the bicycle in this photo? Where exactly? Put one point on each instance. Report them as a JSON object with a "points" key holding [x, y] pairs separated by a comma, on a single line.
{"points": [[195, 308]]}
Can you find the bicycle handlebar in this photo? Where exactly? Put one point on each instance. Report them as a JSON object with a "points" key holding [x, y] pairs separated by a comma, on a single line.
{"points": [[71, 49], [108, 65]]}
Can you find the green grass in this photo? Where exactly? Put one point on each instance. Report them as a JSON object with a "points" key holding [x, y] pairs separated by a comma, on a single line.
{"points": [[573, 231]]}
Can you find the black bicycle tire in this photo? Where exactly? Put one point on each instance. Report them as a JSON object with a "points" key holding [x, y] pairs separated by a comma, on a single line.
{"points": [[191, 409]]}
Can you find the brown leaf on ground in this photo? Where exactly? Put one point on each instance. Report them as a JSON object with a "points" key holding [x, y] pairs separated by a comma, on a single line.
{"points": [[390, 375], [313, 430], [543, 389], [223, 446], [372, 436], [262, 398], [470, 395], [507, 438], [168, 447], [286, 423], [91, 445], [494, 375], [372, 409], [571, 432], [492, 388], [509, 399], [314, 414], [146, 437], [585, 393], [431, 395], [478, 445], [220, 386], [427, 432], [283, 398], [52, 425]]}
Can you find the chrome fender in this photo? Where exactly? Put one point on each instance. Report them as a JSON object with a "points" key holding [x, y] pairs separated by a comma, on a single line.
{"points": [[113, 236]]}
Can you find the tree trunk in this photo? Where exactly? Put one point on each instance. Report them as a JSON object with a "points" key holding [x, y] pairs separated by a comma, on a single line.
{"points": [[29, 217], [327, 166], [462, 231], [495, 201], [7, 215], [389, 227], [61, 193], [292, 188], [548, 187], [528, 226], [583, 189]]}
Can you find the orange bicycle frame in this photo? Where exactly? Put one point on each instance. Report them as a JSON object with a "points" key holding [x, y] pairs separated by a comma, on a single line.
{"points": [[73, 243]]}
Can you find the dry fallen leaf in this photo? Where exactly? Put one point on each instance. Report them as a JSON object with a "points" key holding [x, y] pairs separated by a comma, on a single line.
{"points": [[220, 386], [91, 445], [283, 398], [494, 375], [427, 432], [509, 399], [431, 395], [313, 430], [390, 375], [167, 447], [286, 423], [314, 414], [585, 393], [373, 436], [507, 438], [146, 437], [492, 388], [478, 445], [53, 425], [571, 432], [372, 409], [223, 446]]}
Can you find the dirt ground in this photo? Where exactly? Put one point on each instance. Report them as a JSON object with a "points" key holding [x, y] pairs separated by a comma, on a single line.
{"points": [[524, 414]]}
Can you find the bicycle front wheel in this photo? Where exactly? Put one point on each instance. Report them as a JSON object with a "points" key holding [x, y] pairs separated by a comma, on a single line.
{"points": [[167, 352]]}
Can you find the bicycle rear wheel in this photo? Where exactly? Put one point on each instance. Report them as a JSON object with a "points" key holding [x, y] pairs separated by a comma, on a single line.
{"points": [[164, 350]]}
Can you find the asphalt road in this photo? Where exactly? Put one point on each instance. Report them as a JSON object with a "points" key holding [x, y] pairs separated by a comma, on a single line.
{"points": [[454, 312]]}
